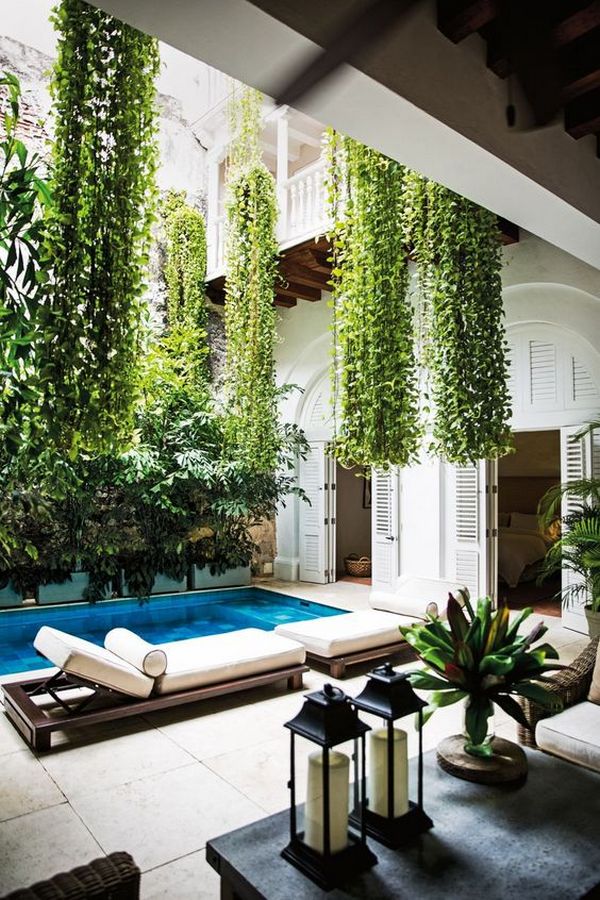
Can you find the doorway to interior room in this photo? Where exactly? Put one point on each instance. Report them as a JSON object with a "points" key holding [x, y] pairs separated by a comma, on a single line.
{"points": [[523, 479], [353, 525]]}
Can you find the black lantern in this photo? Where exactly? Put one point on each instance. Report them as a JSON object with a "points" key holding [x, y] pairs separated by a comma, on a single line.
{"points": [[327, 849], [391, 817]]}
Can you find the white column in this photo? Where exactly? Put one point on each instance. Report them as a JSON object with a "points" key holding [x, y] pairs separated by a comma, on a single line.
{"points": [[282, 170], [212, 206]]}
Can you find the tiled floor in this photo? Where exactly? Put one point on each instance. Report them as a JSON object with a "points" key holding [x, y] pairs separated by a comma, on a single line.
{"points": [[160, 788]]}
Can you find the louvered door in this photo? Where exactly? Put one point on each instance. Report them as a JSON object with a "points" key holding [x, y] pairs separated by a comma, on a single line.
{"points": [[385, 529], [473, 534], [579, 458], [316, 525]]}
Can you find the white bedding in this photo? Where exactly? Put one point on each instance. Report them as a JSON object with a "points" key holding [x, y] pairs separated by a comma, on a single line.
{"points": [[517, 549]]}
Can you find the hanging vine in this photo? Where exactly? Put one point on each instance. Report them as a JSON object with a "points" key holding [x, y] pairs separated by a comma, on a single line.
{"points": [[185, 275], [374, 370], [104, 162], [458, 253], [250, 318]]}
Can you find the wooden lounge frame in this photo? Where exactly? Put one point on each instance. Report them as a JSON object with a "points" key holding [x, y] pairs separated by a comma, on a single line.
{"points": [[336, 665], [35, 725]]}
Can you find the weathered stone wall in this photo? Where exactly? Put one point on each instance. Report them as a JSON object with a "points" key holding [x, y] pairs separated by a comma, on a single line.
{"points": [[264, 537]]}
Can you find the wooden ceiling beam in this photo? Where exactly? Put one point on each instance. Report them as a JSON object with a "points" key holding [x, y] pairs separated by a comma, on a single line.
{"points": [[576, 25], [287, 302], [316, 260], [580, 65], [582, 115], [305, 276], [458, 19], [299, 291], [509, 232]]}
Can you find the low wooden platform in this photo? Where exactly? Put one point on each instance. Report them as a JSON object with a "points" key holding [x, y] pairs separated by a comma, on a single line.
{"points": [[336, 665], [36, 724]]}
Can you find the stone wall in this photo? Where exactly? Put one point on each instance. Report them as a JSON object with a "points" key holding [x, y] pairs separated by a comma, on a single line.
{"points": [[264, 537]]}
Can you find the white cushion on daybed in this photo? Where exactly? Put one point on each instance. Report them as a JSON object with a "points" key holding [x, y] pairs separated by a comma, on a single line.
{"points": [[416, 597], [573, 734], [223, 657], [348, 633], [86, 660], [148, 658]]}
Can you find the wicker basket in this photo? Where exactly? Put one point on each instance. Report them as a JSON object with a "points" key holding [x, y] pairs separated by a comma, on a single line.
{"points": [[358, 567]]}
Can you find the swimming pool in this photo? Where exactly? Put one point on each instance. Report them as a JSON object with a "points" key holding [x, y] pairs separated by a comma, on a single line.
{"points": [[169, 617]]}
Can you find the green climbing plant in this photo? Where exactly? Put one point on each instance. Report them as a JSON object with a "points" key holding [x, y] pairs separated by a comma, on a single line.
{"points": [[374, 370], [250, 318], [24, 197], [458, 253], [185, 275], [98, 234]]}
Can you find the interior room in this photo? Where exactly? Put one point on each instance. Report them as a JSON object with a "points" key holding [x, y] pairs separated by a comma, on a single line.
{"points": [[523, 479], [353, 525]]}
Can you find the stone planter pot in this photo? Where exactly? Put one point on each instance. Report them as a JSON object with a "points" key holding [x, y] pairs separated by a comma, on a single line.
{"points": [[201, 579], [162, 585], [10, 596], [69, 591], [593, 620]]}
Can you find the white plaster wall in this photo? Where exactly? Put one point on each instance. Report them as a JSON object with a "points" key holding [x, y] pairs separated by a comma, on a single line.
{"points": [[542, 284]]}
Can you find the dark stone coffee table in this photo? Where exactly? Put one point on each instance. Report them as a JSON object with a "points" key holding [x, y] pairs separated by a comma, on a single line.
{"points": [[540, 841]]}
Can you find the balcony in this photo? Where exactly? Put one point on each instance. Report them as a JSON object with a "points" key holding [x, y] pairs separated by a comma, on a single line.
{"points": [[302, 215]]}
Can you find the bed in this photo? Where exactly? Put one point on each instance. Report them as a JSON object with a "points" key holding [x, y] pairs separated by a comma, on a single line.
{"points": [[521, 547]]}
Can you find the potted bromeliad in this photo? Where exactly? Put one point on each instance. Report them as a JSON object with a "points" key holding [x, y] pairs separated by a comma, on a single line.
{"points": [[480, 658]]}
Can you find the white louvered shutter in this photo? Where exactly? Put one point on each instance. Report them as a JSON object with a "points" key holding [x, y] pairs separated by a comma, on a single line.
{"points": [[384, 500], [471, 533], [313, 534], [579, 458], [543, 374]]}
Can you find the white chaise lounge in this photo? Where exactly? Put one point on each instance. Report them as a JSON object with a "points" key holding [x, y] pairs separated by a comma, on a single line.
{"points": [[137, 677], [336, 642]]}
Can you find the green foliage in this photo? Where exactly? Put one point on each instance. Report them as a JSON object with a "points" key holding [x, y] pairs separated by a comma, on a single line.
{"points": [[104, 161], [374, 371], [479, 656], [24, 197], [250, 318], [458, 254]]}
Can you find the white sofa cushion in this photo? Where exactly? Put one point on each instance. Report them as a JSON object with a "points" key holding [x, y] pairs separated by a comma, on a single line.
{"points": [[348, 633], [573, 734], [223, 657], [96, 664], [594, 694], [131, 647], [417, 597]]}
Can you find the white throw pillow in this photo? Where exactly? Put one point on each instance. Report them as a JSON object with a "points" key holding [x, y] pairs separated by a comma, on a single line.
{"points": [[133, 649], [524, 521]]}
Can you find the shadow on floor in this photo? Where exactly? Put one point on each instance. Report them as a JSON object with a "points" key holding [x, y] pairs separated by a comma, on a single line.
{"points": [[541, 597]]}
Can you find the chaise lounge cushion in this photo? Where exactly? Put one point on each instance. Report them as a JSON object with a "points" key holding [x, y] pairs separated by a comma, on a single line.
{"points": [[594, 694], [133, 649], [331, 636], [93, 663], [224, 657], [416, 597], [573, 734]]}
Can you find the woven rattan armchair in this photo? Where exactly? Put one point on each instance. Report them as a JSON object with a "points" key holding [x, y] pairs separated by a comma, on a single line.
{"points": [[113, 877], [571, 685]]}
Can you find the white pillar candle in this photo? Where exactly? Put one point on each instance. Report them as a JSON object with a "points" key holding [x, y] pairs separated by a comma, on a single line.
{"points": [[339, 781], [378, 772]]}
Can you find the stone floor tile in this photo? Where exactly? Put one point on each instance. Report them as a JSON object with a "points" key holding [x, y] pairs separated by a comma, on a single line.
{"points": [[189, 878], [163, 817], [25, 787], [37, 846], [10, 739], [137, 751]]}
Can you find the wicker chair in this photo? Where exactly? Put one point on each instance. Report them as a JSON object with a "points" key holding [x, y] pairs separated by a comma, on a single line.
{"points": [[571, 685], [114, 877]]}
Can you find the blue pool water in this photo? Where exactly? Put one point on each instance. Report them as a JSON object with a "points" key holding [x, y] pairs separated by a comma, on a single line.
{"points": [[169, 617]]}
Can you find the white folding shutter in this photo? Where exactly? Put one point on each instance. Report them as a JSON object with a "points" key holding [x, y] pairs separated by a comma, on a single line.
{"points": [[471, 538], [385, 531], [331, 518], [579, 458], [491, 572], [313, 532]]}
